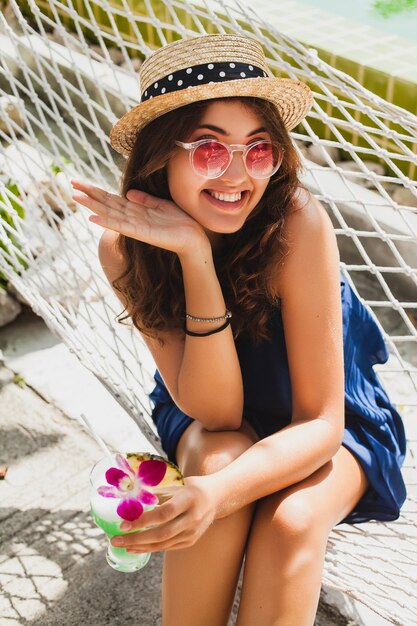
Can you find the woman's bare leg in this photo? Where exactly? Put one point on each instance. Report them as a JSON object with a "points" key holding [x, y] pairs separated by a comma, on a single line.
{"points": [[287, 544], [199, 583]]}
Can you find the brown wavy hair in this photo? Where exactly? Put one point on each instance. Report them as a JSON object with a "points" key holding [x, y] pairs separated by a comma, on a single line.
{"points": [[152, 285]]}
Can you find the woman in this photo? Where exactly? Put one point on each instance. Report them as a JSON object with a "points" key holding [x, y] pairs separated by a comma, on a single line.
{"points": [[265, 396]]}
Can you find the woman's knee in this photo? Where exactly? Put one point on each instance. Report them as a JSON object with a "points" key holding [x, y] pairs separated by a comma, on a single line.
{"points": [[201, 452], [292, 517]]}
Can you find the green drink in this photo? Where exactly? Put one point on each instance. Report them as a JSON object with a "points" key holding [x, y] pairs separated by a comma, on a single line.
{"points": [[104, 513], [118, 558], [122, 488]]}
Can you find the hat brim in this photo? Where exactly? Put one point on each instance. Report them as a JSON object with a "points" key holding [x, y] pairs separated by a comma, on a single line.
{"points": [[292, 98]]}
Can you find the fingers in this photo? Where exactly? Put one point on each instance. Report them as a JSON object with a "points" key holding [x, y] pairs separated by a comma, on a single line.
{"points": [[154, 539], [111, 210], [99, 195], [177, 545], [176, 524], [108, 217], [108, 207], [157, 529], [159, 515], [113, 200], [141, 197]]}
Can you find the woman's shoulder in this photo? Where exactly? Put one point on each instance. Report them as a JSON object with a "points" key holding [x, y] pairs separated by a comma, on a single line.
{"points": [[110, 256], [306, 229], [108, 242], [306, 215]]}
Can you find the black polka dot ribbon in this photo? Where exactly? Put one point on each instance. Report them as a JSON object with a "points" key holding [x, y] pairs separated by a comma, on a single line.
{"points": [[201, 74]]}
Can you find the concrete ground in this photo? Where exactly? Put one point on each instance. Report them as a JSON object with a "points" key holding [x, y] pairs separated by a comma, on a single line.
{"points": [[52, 566]]}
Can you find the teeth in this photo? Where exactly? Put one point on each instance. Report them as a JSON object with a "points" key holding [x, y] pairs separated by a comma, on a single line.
{"points": [[226, 197]]}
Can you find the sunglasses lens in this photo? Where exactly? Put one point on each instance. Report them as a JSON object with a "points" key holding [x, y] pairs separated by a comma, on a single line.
{"points": [[210, 159], [263, 160]]}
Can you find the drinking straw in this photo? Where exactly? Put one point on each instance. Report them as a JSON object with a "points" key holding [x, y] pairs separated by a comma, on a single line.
{"points": [[87, 424]]}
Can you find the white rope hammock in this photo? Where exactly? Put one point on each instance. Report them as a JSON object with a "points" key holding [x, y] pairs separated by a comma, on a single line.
{"points": [[67, 74]]}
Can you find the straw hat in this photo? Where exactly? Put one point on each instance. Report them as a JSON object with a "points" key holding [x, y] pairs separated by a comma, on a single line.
{"points": [[202, 68]]}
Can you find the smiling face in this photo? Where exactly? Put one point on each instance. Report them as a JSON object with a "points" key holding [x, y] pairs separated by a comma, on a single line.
{"points": [[232, 123]]}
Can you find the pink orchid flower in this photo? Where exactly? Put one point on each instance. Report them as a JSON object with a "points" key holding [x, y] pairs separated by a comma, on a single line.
{"points": [[131, 487]]}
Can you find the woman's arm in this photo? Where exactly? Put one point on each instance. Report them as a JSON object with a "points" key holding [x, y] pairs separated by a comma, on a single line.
{"points": [[309, 286], [276, 462], [209, 383], [202, 374]]}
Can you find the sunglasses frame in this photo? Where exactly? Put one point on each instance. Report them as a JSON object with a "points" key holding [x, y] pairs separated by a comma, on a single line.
{"points": [[231, 148]]}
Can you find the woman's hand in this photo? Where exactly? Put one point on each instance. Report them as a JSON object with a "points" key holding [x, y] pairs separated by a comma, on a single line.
{"points": [[143, 217], [179, 522]]}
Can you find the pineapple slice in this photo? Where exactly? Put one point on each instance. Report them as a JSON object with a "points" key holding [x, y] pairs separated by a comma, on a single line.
{"points": [[173, 477]]}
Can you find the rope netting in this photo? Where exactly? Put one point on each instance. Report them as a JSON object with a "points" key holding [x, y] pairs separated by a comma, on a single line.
{"points": [[67, 74]]}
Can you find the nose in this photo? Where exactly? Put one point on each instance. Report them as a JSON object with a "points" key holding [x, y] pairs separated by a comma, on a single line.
{"points": [[236, 170]]}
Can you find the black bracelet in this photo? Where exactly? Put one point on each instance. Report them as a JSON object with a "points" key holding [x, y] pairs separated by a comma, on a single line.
{"points": [[210, 332]]}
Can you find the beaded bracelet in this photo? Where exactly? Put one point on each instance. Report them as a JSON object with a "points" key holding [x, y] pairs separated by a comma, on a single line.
{"points": [[210, 332], [209, 319]]}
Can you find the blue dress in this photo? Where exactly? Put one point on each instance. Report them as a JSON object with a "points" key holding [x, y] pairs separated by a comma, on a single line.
{"points": [[374, 431]]}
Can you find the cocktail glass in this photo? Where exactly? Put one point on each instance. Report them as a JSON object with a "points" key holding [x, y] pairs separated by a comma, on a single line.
{"points": [[105, 515]]}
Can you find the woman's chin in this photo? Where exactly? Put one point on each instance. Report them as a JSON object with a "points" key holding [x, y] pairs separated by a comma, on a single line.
{"points": [[219, 231]]}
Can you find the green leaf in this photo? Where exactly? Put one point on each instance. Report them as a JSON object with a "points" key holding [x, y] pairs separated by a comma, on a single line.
{"points": [[387, 8], [56, 168], [6, 217], [16, 204]]}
